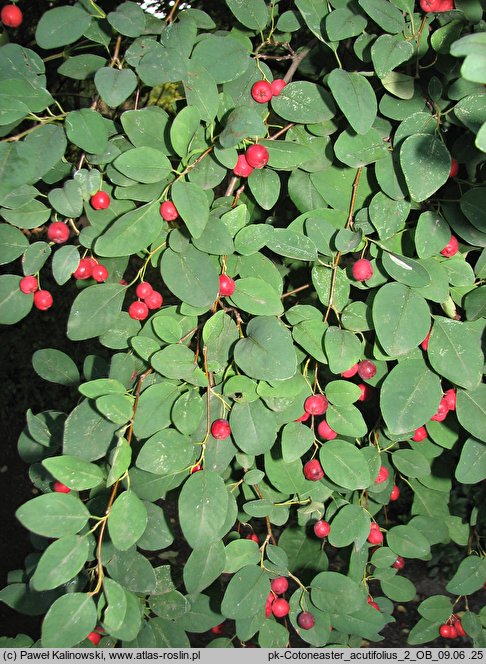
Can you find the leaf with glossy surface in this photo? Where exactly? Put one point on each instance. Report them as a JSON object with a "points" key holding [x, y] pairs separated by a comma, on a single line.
{"points": [[55, 366], [204, 565], [68, 621], [127, 520], [345, 465], [75, 473], [14, 305], [61, 26], [246, 593], [192, 204], [455, 351], [408, 542], [252, 14], [425, 163], [191, 276], [470, 576], [253, 427], [94, 311], [60, 562], [304, 102], [203, 504], [53, 514], [355, 97], [472, 463], [471, 410]]}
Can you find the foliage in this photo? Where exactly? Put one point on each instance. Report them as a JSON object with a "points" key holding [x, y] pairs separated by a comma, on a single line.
{"points": [[379, 98]]}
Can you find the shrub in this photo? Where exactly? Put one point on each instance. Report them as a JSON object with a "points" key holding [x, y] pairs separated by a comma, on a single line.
{"points": [[344, 261]]}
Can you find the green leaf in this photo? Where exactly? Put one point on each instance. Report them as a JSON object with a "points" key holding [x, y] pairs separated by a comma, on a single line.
{"points": [[346, 420], [61, 26], [304, 102], [455, 351], [204, 565], [388, 216], [131, 232], [253, 427], [127, 520], [345, 465], [387, 52], [80, 67], [471, 410], [423, 632], [240, 553], [87, 129], [436, 608], [14, 305], [398, 588], [201, 91], [60, 562], [336, 593], [53, 514], [116, 610], [147, 127], [358, 150], [79, 440], [128, 19], [350, 525], [425, 163], [252, 14], [75, 473], [202, 508], [384, 14], [183, 129], [472, 463], [408, 542], [115, 85], [342, 392], [322, 280], [286, 242], [94, 311], [355, 97], [401, 317], [246, 593], [55, 366], [64, 263], [69, 620], [313, 13], [265, 186], [469, 577], [166, 452], [431, 235], [267, 352], [145, 164], [13, 243], [342, 23], [343, 349], [256, 296], [191, 276], [11, 110], [409, 396], [232, 61], [35, 257], [192, 204], [296, 440], [411, 463], [286, 477]]}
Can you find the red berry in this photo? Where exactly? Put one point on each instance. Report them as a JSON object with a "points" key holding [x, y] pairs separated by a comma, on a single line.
{"points": [[84, 269], [459, 628], [138, 310], [226, 285], [399, 563], [11, 16], [373, 604], [168, 211], [28, 284], [261, 92], [154, 300], [425, 343], [382, 476], [196, 468], [303, 418], [395, 493], [257, 155], [375, 536], [58, 232], [242, 168], [100, 200], [306, 620], [420, 434], [325, 432], [442, 411], [451, 248], [217, 629], [362, 270], [366, 369], [279, 585], [453, 632], [277, 86], [349, 373], [43, 300], [220, 429], [313, 470], [94, 637], [366, 392], [61, 488], [436, 5], [454, 168], [321, 529], [280, 608], [253, 538], [450, 399], [100, 273], [143, 290], [316, 404], [268, 605]]}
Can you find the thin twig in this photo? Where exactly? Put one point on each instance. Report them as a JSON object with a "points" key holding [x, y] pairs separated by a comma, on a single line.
{"points": [[170, 18], [267, 520], [296, 60], [296, 290]]}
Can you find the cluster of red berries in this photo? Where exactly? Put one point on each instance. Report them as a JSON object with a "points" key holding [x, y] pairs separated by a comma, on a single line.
{"points": [[317, 404], [168, 211], [436, 6], [452, 628], [365, 369], [89, 268], [148, 299], [277, 605], [256, 156], [263, 91], [42, 298], [11, 16], [375, 536]]}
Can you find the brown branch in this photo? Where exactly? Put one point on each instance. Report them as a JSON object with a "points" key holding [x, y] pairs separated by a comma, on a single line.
{"points": [[231, 186], [267, 520], [170, 18], [296, 60], [296, 290]]}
